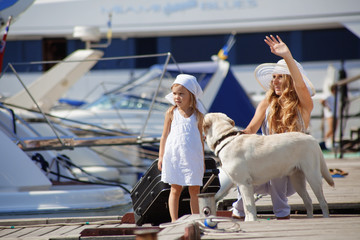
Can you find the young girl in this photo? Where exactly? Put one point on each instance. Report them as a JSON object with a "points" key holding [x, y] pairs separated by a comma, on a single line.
{"points": [[181, 153]]}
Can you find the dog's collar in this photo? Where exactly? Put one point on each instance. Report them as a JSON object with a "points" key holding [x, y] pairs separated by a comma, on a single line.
{"points": [[230, 134]]}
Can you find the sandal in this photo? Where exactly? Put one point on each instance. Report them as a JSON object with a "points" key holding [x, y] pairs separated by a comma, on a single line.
{"points": [[341, 172], [337, 172]]}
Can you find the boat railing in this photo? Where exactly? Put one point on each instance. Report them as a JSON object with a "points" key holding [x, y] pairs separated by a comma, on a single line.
{"points": [[341, 87], [39, 142], [68, 142]]}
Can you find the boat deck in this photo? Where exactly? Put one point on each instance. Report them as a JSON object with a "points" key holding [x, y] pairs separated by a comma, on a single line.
{"points": [[344, 223]]}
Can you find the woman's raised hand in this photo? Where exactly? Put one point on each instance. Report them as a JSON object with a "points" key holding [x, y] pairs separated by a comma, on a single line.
{"points": [[277, 46]]}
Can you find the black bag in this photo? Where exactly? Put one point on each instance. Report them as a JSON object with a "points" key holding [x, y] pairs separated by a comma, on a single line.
{"points": [[150, 195]]}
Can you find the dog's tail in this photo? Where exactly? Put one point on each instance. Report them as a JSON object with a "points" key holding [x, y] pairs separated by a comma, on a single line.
{"points": [[325, 171]]}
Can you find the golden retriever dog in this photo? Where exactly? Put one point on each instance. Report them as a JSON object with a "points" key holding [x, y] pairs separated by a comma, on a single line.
{"points": [[251, 160]]}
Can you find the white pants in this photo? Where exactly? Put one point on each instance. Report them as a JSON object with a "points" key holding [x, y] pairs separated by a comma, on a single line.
{"points": [[278, 188]]}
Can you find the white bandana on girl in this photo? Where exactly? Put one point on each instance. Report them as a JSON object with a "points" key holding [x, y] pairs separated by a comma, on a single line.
{"points": [[191, 84]]}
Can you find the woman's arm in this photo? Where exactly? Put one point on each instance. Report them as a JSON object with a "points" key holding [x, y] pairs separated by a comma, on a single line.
{"points": [[165, 133], [278, 47], [258, 118]]}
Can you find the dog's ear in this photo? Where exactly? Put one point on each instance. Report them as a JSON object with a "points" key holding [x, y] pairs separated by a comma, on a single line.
{"points": [[231, 122], [205, 125], [224, 117]]}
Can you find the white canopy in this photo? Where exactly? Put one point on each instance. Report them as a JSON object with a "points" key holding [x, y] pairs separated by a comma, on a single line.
{"points": [[50, 18]]}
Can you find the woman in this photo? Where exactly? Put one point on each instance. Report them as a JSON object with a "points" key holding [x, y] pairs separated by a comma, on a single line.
{"points": [[286, 108]]}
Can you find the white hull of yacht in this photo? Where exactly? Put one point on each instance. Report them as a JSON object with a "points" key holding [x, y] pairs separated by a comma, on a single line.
{"points": [[62, 198], [25, 189]]}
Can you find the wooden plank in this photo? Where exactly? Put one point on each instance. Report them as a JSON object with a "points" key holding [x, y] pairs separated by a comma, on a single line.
{"points": [[176, 230], [52, 227], [299, 228], [63, 230], [22, 232], [110, 225], [316, 228], [44, 231], [22, 222], [78, 230], [39, 221], [7, 231], [84, 220]]}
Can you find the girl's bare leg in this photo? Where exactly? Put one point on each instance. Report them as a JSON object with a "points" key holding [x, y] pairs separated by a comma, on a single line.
{"points": [[194, 200], [174, 197]]}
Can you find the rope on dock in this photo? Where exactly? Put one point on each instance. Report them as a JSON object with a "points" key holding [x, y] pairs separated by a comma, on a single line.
{"points": [[201, 222]]}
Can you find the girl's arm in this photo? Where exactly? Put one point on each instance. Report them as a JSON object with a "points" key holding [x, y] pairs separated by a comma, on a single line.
{"points": [[166, 130], [258, 118], [278, 47]]}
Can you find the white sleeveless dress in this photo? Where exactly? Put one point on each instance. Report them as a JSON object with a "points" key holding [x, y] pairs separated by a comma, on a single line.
{"points": [[183, 160]]}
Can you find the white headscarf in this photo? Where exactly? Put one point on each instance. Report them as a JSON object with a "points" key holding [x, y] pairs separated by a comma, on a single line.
{"points": [[191, 84]]}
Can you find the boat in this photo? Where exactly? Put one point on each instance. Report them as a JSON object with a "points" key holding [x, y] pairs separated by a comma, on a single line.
{"points": [[255, 17], [139, 107], [142, 106], [13, 9], [36, 182], [186, 17], [29, 187], [51, 85]]}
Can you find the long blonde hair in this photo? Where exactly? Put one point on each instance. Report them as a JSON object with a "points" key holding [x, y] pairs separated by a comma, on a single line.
{"points": [[283, 114]]}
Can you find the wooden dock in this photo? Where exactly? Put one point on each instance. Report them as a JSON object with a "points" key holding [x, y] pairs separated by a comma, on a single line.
{"points": [[344, 223]]}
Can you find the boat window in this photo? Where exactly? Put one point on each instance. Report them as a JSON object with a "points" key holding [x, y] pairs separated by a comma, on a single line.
{"points": [[121, 101]]}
